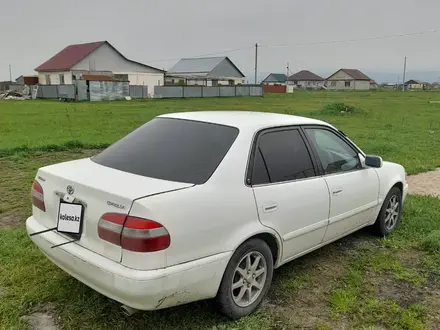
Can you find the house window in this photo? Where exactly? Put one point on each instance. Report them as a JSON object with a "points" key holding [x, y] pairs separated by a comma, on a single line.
{"points": [[333, 84], [347, 84], [47, 76], [214, 82], [61, 79], [231, 82]]}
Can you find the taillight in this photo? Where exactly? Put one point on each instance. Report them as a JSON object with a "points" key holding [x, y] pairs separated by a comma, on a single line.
{"points": [[110, 227], [132, 233], [38, 196]]}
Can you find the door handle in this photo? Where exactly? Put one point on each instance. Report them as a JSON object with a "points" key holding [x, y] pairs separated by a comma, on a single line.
{"points": [[270, 207], [337, 192]]}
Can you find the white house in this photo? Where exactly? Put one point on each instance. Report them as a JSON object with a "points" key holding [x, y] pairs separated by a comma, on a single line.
{"points": [[348, 79], [97, 58], [205, 71], [305, 79], [414, 84]]}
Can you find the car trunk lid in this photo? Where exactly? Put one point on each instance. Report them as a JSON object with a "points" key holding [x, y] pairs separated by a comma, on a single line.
{"points": [[101, 190]]}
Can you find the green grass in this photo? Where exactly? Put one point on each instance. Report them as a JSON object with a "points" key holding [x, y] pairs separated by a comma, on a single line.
{"points": [[345, 297], [360, 282], [388, 285], [28, 279], [401, 127], [432, 241]]}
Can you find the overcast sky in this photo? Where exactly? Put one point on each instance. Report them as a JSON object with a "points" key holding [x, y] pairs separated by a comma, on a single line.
{"points": [[157, 32]]}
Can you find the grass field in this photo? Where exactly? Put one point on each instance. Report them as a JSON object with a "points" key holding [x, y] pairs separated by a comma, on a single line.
{"points": [[360, 282], [395, 125]]}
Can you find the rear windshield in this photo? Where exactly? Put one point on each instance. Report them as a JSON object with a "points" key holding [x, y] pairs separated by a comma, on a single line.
{"points": [[171, 149]]}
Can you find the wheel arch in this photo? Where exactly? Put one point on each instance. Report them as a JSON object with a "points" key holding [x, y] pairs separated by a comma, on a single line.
{"points": [[267, 235], [271, 238], [398, 184]]}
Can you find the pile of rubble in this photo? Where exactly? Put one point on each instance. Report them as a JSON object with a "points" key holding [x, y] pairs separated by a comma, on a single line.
{"points": [[13, 95]]}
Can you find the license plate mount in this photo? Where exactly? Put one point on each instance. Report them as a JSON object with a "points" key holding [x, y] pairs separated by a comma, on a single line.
{"points": [[70, 219]]}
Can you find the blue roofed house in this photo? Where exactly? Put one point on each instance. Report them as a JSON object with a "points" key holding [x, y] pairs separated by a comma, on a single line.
{"points": [[204, 71], [275, 79]]}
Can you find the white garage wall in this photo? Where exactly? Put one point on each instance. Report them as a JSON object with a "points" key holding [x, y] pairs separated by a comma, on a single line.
{"points": [[145, 79], [55, 77]]}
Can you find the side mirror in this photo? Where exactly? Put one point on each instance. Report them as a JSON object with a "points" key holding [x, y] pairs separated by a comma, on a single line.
{"points": [[373, 161]]}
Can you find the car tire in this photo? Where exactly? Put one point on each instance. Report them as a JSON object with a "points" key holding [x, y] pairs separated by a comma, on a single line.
{"points": [[251, 279], [390, 213]]}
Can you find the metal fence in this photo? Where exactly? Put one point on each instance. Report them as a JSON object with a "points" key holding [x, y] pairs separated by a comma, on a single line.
{"points": [[275, 89], [66, 91], [94, 91], [108, 90], [138, 92], [205, 91]]}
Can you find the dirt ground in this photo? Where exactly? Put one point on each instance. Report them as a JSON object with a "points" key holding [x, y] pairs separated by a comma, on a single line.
{"points": [[43, 318], [427, 183]]}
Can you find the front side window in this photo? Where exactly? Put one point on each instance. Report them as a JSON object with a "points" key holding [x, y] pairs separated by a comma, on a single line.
{"points": [[335, 154], [347, 84], [281, 156]]}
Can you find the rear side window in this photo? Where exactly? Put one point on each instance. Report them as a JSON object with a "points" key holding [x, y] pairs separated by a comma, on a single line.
{"points": [[281, 156], [171, 149]]}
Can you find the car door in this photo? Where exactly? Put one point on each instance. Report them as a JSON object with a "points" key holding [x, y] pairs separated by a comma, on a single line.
{"points": [[291, 198], [354, 189]]}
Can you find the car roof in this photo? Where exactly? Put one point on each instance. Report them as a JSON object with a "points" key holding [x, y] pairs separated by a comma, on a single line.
{"points": [[251, 120]]}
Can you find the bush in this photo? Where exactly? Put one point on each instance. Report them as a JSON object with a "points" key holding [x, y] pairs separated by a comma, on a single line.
{"points": [[432, 241], [340, 109]]}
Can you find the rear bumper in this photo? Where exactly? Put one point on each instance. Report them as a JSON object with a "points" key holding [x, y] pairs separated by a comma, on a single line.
{"points": [[140, 289]]}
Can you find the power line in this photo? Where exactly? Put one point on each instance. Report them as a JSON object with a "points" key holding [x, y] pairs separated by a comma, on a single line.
{"points": [[202, 55], [353, 40], [298, 44]]}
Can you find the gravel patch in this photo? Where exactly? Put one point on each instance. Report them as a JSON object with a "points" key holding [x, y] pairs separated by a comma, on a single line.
{"points": [[427, 183]]}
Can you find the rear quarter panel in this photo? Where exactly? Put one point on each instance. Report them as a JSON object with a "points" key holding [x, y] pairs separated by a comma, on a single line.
{"points": [[202, 221]]}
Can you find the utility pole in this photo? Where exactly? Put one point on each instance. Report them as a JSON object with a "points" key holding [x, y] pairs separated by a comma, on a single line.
{"points": [[287, 74], [404, 73], [10, 73], [256, 62]]}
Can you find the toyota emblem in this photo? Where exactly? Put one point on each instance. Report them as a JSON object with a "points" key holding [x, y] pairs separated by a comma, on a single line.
{"points": [[70, 190]]}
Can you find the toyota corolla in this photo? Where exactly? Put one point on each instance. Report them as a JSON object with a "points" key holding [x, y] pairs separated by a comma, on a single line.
{"points": [[201, 205]]}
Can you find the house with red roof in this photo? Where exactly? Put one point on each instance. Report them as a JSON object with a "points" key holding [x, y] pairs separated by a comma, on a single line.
{"points": [[348, 79], [97, 58]]}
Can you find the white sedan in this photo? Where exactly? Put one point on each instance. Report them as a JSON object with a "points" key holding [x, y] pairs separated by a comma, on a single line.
{"points": [[203, 205]]}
